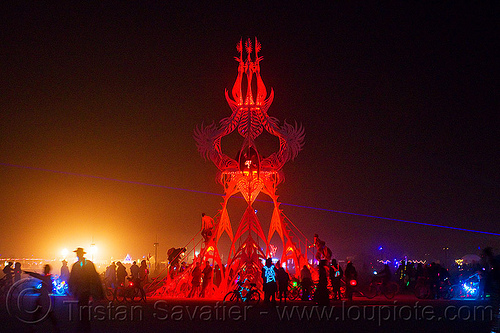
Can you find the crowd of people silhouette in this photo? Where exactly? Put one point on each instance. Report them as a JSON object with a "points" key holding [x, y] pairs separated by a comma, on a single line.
{"points": [[320, 283]]}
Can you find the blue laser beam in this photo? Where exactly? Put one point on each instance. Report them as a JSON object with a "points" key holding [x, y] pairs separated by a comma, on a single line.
{"points": [[267, 201], [105, 178], [393, 219]]}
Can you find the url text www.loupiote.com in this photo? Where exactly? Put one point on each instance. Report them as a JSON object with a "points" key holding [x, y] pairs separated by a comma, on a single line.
{"points": [[385, 313]]}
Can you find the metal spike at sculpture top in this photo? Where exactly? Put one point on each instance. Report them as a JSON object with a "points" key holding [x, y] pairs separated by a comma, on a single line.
{"points": [[250, 173]]}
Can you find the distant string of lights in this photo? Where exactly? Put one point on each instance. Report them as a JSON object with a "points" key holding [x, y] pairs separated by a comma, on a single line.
{"points": [[218, 194]]}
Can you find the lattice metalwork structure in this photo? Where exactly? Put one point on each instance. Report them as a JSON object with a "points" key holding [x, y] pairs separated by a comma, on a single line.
{"points": [[250, 173]]}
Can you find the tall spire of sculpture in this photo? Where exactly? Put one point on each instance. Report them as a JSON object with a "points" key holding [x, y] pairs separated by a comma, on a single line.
{"points": [[250, 118], [250, 174]]}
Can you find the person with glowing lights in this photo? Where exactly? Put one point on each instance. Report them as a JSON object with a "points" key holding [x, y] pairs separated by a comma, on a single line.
{"points": [[438, 278], [269, 274], [492, 271], [306, 282], [43, 300], [207, 226], [84, 283], [336, 274], [403, 273], [351, 277], [17, 271], [142, 277]]}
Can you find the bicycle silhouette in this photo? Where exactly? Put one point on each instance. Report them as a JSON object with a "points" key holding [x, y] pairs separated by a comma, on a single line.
{"points": [[377, 287], [130, 293], [241, 293]]}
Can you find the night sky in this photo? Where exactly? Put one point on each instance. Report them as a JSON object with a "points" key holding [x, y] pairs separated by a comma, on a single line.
{"points": [[99, 102]]}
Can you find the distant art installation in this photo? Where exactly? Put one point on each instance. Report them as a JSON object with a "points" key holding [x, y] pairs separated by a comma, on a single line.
{"points": [[250, 173]]}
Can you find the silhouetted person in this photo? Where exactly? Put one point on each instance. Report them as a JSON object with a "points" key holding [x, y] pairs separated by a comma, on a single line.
{"points": [[248, 159], [217, 275], [419, 273], [143, 273], [196, 279], [306, 282], [283, 280], [207, 226], [17, 271], [385, 275], [411, 271], [121, 273], [322, 251], [64, 271], [84, 282], [207, 278], [174, 258], [270, 287], [402, 273], [321, 296], [8, 270], [336, 274], [134, 271], [43, 301], [110, 275], [434, 279], [142, 278], [482, 284], [493, 277], [351, 277]]}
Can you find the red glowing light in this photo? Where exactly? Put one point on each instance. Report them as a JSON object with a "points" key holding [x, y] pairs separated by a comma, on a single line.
{"points": [[353, 282]]}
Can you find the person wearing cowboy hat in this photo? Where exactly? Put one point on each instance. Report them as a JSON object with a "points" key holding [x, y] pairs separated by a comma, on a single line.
{"points": [[84, 282], [64, 271]]}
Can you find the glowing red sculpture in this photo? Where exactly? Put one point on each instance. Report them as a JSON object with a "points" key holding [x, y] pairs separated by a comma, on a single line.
{"points": [[250, 173], [250, 117]]}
